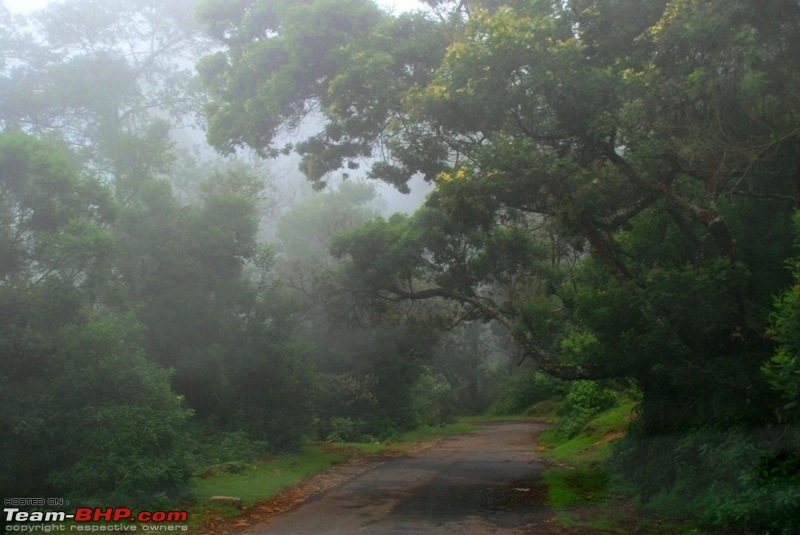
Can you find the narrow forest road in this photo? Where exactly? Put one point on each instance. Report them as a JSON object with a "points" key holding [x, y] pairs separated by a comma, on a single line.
{"points": [[486, 481]]}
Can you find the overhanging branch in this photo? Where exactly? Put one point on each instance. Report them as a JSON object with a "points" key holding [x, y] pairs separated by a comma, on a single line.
{"points": [[547, 362]]}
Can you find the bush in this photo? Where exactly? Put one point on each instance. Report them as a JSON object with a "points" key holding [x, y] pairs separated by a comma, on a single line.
{"points": [[522, 390], [97, 421], [211, 446], [271, 397], [726, 477], [584, 400], [344, 396], [343, 430], [433, 401]]}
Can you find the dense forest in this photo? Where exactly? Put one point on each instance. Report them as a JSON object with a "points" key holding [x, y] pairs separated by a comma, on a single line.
{"points": [[613, 211]]}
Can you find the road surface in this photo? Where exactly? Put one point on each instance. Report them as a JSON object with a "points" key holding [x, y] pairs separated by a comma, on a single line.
{"points": [[486, 481]]}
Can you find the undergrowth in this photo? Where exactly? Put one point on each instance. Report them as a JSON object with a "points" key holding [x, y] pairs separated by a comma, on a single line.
{"points": [[580, 478]]}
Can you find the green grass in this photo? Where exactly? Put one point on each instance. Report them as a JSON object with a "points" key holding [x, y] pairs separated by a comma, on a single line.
{"points": [[592, 445], [261, 480], [570, 487], [582, 480]]}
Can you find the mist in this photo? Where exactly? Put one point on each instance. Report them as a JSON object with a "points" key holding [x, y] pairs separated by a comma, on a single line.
{"points": [[243, 240]]}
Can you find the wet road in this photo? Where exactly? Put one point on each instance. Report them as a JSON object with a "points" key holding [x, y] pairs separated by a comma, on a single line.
{"points": [[486, 481]]}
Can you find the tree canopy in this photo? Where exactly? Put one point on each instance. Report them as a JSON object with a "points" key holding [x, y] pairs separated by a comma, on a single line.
{"points": [[594, 117], [614, 179], [613, 186]]}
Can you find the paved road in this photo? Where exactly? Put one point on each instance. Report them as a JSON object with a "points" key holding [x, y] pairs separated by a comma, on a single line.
{"points": [[482, 482]]}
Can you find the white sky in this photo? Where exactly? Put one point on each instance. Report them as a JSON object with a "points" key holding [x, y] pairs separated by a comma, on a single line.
{"points": [[24, 6], [396, 200]]}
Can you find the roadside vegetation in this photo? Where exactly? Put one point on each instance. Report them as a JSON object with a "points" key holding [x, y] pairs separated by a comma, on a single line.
{"points": [[583, 486]]}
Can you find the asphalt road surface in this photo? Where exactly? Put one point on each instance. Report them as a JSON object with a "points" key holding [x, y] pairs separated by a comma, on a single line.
{"points": [[486, 481]]}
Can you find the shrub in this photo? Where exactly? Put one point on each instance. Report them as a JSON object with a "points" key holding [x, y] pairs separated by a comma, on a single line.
{"points": [[211, 446], [524, 389], [730, 478], [433, 400], [97, 421], [343, 430], [271, 397], [584, 400]]}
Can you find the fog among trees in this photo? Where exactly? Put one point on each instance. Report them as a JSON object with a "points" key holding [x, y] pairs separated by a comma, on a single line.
{"points": [[229, 228]]}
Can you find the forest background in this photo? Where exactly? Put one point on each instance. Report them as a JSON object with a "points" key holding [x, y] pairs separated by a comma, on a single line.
{"points": [[610, 194]]}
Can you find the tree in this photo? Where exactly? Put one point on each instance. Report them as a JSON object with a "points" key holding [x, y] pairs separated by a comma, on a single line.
{"points": [[93, 418], [368, 372], [348, 61], [78, 397], [107, 78], [108, 278], [783, 369], [646, 153], [52, 218], [530, 111]]}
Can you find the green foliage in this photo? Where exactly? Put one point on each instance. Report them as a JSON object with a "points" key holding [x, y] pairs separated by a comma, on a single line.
{"points": [[613, 184], [592, 445], [525, 388], [583, 476], [93, 304], [727, 477], [368, 376], [783, 369], [210, 446], [467, 360], [132, 430], [271, 397], [201, 285], [307, 229], [350, 58], [95, 419], [372, 383], [96, 72], [52, 216], [433, 400], [584, 400], [344, 430], [84, 413]]}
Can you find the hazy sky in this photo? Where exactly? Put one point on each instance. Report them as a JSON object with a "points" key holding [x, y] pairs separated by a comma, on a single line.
{"points": [[20, 6], [396, 201]]}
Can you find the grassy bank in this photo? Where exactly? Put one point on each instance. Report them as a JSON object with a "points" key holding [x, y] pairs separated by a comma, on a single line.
{"points": [[593, 444], [580, 489]]}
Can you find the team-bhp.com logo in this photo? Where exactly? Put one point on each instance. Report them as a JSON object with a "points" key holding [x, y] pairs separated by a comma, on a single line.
{"points": [[94, 519], [97, 514]]}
